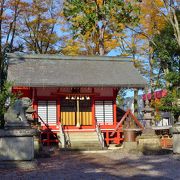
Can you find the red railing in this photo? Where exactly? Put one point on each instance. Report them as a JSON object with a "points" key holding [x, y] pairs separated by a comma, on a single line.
{"points": [[47, 135], [47, 126], [117, 138], [127, 114]]}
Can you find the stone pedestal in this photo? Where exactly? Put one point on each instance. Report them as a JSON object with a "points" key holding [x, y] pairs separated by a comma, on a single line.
{"points": [[37, 145], [17, 144], [130, 146], [149, 142], [16, 124]]}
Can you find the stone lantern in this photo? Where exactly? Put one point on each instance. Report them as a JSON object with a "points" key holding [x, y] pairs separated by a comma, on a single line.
{"points": [[148, 117], [148, 141]]}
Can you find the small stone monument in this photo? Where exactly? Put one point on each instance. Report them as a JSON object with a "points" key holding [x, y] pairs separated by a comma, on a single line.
{"points": [[148, 141], [16, 140], [176, 137], [175, 130]]}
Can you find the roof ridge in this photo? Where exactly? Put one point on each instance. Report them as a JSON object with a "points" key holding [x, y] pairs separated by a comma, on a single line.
{"points": [[62, 57]]}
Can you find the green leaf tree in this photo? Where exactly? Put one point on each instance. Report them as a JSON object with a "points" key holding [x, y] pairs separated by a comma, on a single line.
{"points": [[167, 57]]}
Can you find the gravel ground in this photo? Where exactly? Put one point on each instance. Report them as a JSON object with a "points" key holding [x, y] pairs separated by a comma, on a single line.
{"points": [[107, 165]]}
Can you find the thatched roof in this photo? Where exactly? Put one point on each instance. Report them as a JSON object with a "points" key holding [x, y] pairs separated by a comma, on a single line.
{"points": [[72, 71]]}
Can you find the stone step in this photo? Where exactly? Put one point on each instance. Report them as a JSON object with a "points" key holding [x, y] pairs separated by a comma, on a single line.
{"points": [[93, 144], [82, 134], [83, 140], [85, 146], [72, 135]]}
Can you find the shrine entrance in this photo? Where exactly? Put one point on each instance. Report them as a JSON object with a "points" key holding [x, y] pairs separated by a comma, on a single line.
{"points": [[76, 111]]}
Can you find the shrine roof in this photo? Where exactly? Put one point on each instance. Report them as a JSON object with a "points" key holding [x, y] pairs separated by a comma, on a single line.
{"points": [[73, 71]]}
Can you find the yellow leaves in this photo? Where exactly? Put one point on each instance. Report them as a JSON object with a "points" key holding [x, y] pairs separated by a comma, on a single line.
{"points": [[99, 2], [77, 18], [3, 17], [111, 44], [159, 3], [61, 14], [140, 36], [125, 54], [49, 21], [150, 17], [157, 102], [72, 48], [121, 26]]}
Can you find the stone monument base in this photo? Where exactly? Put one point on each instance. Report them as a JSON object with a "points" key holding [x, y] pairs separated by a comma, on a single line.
{"points": [[17, 144], [130, 146], [149, 144], [176, 143], [175, 131]]}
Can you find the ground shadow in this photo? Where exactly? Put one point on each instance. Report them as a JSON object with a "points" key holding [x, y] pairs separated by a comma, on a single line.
{"points": [[103, 165]]}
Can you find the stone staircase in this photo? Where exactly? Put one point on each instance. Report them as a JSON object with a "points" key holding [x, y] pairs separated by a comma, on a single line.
{"points": [[83, 141]]}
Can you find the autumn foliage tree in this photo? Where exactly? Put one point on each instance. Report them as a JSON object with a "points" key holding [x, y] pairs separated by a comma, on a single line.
{"points": [[10, 11], [38, 23], [171, 15], [150, 24], [28, 25], [98, 23]]}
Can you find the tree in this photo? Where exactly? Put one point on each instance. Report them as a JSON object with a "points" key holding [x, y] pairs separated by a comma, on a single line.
{"points": [[38, 23], [98, 23], [10, 11], [151, 22], [167, 56], [167, 52], [139, 39], [171, 15], [5, 95]]}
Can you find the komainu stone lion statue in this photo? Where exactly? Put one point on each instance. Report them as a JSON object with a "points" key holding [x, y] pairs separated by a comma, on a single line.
{"points": [[16, 113]]}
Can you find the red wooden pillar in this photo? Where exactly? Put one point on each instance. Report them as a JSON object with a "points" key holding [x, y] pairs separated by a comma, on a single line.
{"points": [[114, 113], [118, 136], [114, 107], [58, 111], [93, 112], [35, 107], [35, 102], [107, 137]]}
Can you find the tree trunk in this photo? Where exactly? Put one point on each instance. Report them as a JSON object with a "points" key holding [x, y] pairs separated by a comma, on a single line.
{"points": [[101, 38], [166, 71], [136, 102], [151, 75], [1, 53], [172, 18]]}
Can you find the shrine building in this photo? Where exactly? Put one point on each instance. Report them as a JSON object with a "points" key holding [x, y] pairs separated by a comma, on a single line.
{"points": [[74, 92]]}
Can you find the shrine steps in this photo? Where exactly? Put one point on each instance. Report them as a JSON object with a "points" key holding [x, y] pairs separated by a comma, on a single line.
{"points": [[82, 141]]}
